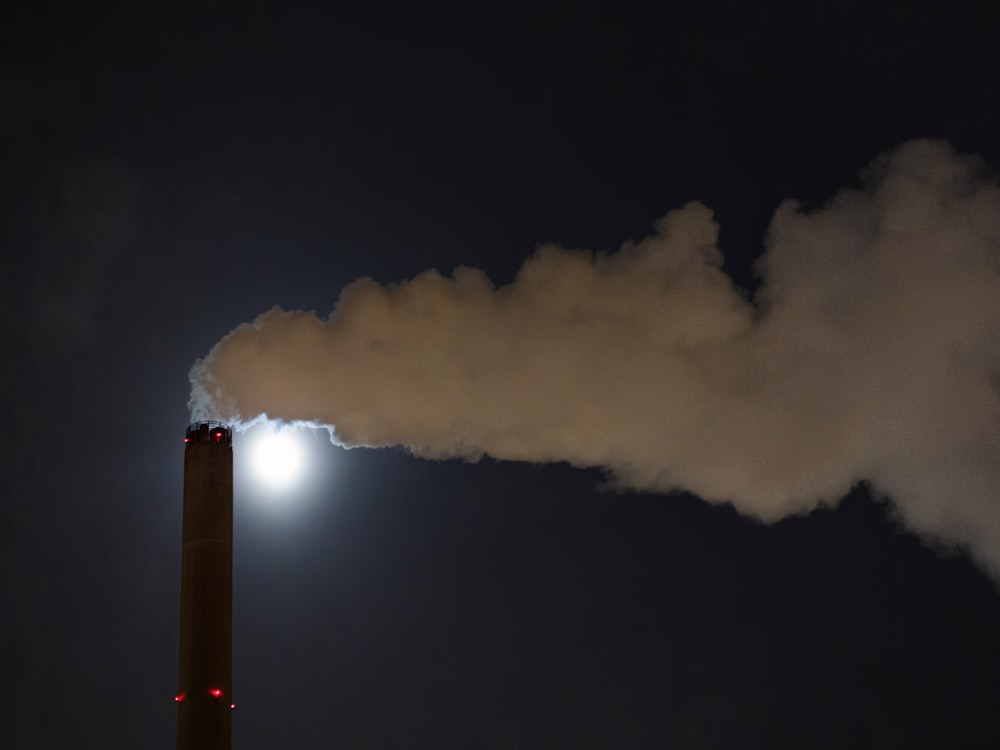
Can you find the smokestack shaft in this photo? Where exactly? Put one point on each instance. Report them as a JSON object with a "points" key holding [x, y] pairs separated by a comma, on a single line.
{"points": [[204, 691]]}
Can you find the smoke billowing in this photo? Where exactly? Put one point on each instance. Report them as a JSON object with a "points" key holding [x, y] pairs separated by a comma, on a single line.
{"points": [[871, 352]]}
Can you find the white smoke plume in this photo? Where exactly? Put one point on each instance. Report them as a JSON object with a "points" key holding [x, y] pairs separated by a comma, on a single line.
{"points": [[870, 353]]}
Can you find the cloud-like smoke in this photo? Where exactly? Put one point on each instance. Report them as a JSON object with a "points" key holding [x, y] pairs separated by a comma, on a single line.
{"points": [[871, 352]]}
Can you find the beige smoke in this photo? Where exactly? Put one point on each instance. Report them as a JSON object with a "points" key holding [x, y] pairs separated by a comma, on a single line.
{"points": [[872, 352]]}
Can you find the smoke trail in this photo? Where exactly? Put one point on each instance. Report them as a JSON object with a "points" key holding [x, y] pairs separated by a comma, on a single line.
{"points": [[872, 352]]}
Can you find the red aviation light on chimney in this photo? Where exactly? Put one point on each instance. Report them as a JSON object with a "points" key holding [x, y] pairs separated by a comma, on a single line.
{"points": [[215, 693], [179, 697], [232, 705]]}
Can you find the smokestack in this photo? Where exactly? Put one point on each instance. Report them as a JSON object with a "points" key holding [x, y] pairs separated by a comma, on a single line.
{"points": [[206, 631]]}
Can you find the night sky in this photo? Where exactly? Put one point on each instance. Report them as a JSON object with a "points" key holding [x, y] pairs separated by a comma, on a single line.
{"points": [[172, 172]]}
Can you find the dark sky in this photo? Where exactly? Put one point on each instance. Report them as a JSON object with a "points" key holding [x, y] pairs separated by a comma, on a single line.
{"points": [[171, 172]]}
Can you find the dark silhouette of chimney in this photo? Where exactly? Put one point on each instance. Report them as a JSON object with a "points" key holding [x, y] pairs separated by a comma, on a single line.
{"points": [[204, 695]]}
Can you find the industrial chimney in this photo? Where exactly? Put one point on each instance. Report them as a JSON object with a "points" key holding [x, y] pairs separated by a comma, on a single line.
{"points": [[204, 698]]}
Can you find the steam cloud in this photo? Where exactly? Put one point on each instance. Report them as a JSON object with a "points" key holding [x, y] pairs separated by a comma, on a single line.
{"points": [[871, 352]]}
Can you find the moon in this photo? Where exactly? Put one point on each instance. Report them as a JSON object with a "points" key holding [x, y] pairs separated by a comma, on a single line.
{"points": [[276, 456]]}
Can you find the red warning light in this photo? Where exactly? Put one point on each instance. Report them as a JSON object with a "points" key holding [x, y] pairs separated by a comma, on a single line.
{"points": [[215, 693], [187, 440], [179, 697], [232, 705]]}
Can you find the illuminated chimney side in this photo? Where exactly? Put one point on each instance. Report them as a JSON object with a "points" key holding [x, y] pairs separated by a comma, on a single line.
{"points": [[204, 693]]}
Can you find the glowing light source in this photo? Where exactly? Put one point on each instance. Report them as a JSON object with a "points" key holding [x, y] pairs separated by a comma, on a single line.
{"points": [[215, 693], [232, 705], [276, 455], [179, 697]]}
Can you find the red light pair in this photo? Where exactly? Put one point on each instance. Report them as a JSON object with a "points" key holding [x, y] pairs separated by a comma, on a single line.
{"points": [[214, 692]]}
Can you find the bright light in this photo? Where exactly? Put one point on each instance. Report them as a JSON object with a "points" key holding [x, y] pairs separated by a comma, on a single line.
{"points": [[215, 693], [276, 455]]}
